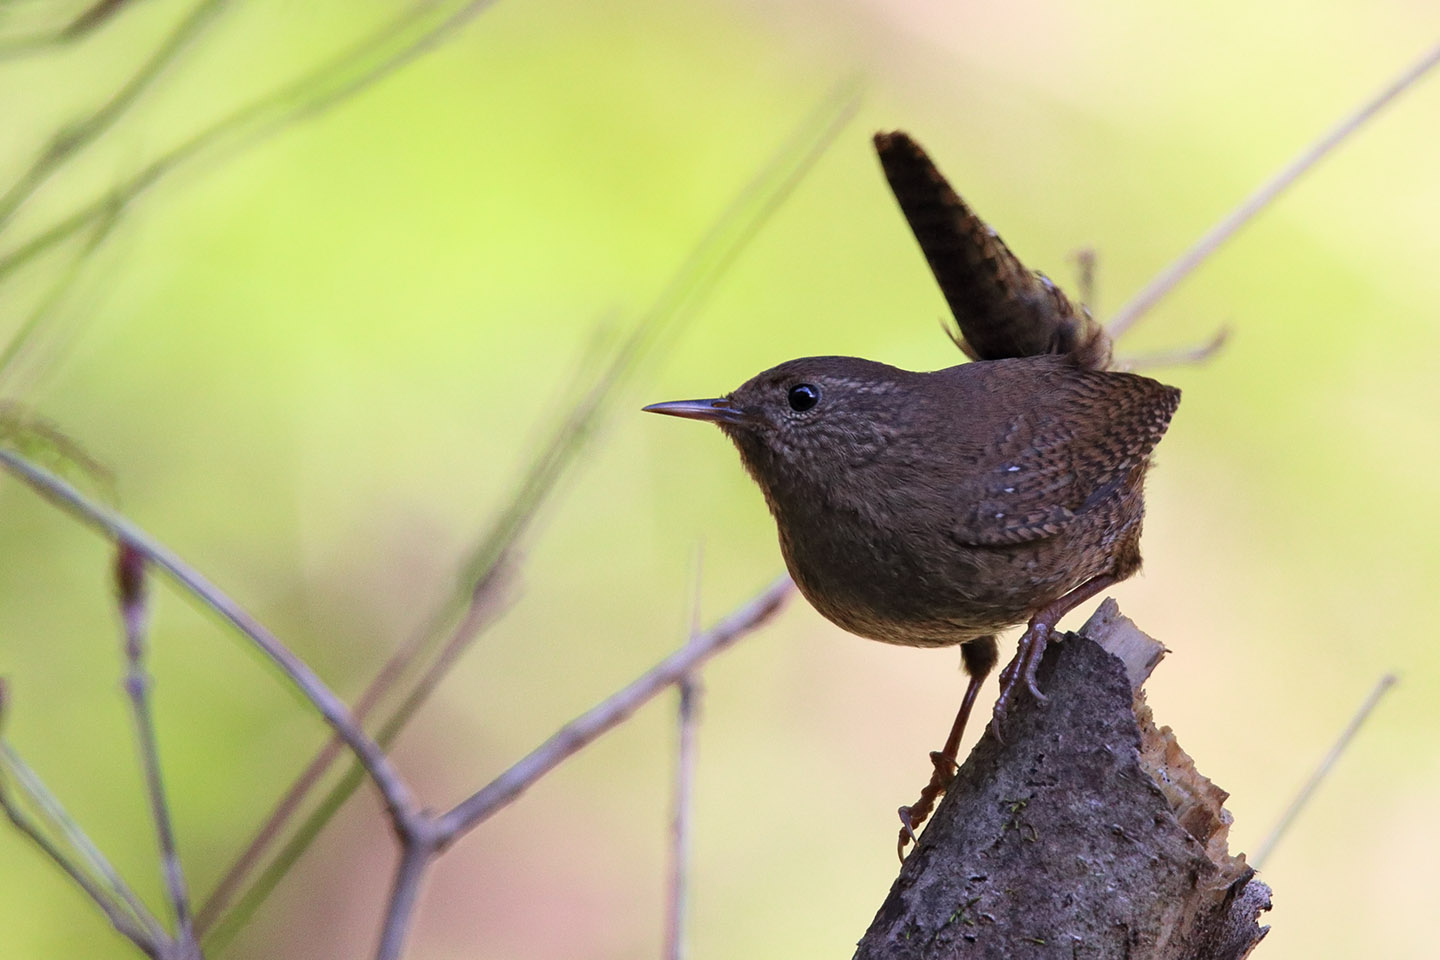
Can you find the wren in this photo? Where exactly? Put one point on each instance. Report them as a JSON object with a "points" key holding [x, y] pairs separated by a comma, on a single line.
{"points": [[940, 508]]}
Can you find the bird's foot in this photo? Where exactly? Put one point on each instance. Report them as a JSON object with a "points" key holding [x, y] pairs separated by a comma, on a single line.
{"points": [[1022, 668], [916, 814]]}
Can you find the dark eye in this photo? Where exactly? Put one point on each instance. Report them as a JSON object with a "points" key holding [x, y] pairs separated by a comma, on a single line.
{"points": [[803, 396]]}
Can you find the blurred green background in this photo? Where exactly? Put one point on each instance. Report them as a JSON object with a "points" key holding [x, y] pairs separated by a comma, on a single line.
{"points": [[317, 362]]}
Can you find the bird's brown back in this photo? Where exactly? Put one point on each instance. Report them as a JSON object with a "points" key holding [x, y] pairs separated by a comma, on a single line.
{"points": [[936, 507]]}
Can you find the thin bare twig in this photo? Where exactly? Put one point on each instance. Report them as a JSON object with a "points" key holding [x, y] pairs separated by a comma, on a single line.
{"points": [[89, 20], [20, 341], [119, 918], [584, 729], [75, 137], [1184, 356], [1169, 278], [487, 604], [134, 615], [119, 904], [399, 802], [57, 820], [397, 42], [404, 895], [93, 17], [1086, 262], [1287, 818], [588, 727], [688, 719], [420, 848]]}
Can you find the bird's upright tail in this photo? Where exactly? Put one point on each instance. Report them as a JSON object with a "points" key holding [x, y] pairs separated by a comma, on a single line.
{"points": [[1002, 308]]}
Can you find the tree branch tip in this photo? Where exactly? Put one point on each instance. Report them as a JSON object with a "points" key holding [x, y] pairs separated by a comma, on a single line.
{"points": [[1118, 635]]}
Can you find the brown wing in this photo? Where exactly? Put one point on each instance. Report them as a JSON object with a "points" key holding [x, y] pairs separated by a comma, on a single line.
{"points": [[1069, 451]]}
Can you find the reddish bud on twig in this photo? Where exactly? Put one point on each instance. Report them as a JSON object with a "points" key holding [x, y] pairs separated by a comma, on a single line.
{"points": [[129, 574], [130, 587]]}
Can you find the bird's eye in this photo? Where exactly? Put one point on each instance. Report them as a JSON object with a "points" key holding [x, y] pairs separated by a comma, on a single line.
{"points": [[803, 396]]}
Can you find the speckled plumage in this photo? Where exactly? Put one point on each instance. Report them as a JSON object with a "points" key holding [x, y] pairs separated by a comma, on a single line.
{"points": [[934, 508]]}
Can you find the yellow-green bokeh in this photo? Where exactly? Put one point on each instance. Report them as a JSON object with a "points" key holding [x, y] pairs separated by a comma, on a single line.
{"points": [[317, 364]]}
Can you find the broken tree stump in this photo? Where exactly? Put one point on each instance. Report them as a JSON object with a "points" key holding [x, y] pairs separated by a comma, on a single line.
{"points": [[1086, 835]]}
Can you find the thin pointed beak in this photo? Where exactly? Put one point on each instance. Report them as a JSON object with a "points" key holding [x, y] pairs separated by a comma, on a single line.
{"points": [[716, 411]]}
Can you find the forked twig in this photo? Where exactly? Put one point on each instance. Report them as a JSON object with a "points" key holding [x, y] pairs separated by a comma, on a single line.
{"points": [[134, 614], [61, 823], [486, 606], [216, 926], [92, 872], [1317, 777], [421, 847], [152, 944], [585, 728], [1169, 278], [399, 802]]}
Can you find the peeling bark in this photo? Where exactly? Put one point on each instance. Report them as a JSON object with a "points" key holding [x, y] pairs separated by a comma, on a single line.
{"points": [[1087, 834]]}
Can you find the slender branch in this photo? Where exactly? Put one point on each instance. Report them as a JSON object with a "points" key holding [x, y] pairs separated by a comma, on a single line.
{"points": [[91, 19], [1185, 356], [75, 137], [680, 826], [1382, 686], [26, 332], [399, 802], [1169, 278], [134, 615], [384, 50], [486, 606], [96, 15], [404, 895], [1086, 264], [586, 728], [125, 912], [119, 918], [57, 820], [687, 720]]}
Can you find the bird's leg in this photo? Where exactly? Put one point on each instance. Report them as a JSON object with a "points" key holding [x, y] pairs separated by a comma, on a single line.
{"points": [[1033, 642], [979, 658]]}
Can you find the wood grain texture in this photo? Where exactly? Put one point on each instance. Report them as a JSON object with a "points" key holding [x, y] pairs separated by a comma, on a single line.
{"points": [[1060, 843]]}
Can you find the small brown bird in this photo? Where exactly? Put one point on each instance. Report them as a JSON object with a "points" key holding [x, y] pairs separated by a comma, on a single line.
{"points": [[932, 509]]}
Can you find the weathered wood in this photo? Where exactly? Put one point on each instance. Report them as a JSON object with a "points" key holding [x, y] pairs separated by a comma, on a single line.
{"points": [[1086, 834]]}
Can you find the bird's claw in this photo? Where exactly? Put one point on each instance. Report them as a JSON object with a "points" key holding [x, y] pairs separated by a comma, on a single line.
{"points": [[907, 829], [912, 816], [1040, 638], [907, 833], [1022, 668]]}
